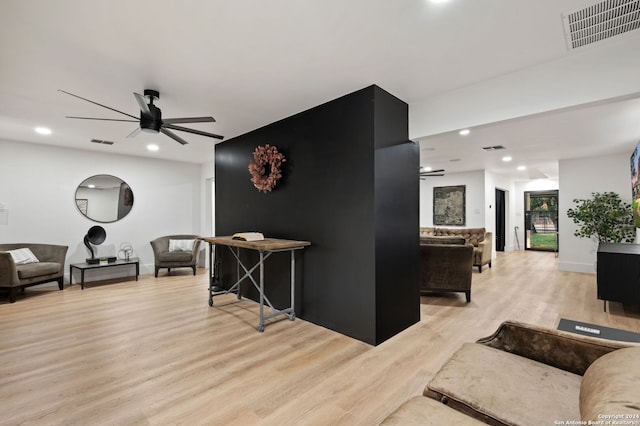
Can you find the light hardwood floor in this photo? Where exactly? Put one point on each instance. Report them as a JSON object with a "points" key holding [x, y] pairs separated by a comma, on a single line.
{"points": [[153, 351]]}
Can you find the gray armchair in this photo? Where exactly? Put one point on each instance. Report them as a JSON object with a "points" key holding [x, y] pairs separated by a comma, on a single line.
{"points": [[175, 257], [50, 267]]}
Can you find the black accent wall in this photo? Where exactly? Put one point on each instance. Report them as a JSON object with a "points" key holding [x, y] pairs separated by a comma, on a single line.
{"points": [[350, 186]]}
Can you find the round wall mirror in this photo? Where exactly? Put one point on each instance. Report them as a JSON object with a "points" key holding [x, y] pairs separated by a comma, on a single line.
{"points": [[104, 198]]}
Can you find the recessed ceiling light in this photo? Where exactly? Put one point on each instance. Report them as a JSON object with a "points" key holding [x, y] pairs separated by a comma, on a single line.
{"points": [[426, 169], [464, 132], [506, 159], [153, 147], [439, 1], [43, 130], [521, 168]]}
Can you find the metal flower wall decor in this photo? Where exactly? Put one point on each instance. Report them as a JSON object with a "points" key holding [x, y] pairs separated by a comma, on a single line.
{"points": [[266, 167]]}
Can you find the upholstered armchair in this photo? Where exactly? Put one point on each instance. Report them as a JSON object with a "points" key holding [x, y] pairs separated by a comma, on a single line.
{"points": [[46, 265], [482, 253], [176, 251], [446, 268]]}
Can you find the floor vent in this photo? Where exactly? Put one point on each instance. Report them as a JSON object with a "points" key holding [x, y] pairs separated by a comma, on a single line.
{"points": [[102, 142], [603, 20], [493, 148]]}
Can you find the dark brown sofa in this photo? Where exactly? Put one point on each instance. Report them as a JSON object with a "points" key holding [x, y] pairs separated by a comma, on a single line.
{"points": [[481, 240], [529, 375], [446, 268], [50, 267]]}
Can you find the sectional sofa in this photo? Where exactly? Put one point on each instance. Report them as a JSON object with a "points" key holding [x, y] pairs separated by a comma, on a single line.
{"points": [[481, 240]]}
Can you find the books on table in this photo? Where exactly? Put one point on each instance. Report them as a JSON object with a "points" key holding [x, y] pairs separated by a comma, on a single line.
{"points": [[248, 236]]}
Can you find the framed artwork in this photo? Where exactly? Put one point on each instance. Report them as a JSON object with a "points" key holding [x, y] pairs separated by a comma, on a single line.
{"points": [[82, 204], [449, 205]]}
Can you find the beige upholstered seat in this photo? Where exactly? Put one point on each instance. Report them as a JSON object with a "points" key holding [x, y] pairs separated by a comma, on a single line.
{"points": [[176, 251]]}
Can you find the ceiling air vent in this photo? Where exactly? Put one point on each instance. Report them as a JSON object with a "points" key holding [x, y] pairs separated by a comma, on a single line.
{"points": [[102, 142], [602, 20], [493, 148]]}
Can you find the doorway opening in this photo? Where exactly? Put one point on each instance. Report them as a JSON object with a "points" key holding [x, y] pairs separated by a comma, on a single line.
{"points": [[541, 220], [500, 220]]}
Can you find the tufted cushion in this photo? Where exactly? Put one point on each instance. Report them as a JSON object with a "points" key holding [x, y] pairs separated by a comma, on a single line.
{"points": [[427, 231], [442, 240], [471, 235], [611, 387], [506, 388]]}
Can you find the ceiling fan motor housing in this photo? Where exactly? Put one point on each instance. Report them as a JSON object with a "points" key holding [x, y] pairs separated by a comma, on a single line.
{"points": [[151, 122]]}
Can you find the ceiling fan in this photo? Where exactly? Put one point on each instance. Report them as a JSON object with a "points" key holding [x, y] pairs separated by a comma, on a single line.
{"points": [[151, 120], [425, 174]]}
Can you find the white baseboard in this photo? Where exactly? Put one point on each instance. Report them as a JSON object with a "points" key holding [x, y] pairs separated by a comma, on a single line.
{"points": [[585, 268]]}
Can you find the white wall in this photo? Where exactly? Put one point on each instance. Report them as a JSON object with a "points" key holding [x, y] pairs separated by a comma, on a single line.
{"points": [[518, 216], [495, 181], [602, 71], [578, 179], [475, 195], [39, 183]]}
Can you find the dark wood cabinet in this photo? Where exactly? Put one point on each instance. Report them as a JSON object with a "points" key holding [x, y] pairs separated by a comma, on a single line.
{"points": [[618, 273]]}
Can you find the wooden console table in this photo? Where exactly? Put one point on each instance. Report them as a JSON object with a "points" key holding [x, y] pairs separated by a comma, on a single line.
{"points": [[82, 267], [618, 273], [265, 248]]}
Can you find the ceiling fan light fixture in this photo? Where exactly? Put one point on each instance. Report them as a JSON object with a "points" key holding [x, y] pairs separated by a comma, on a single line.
{"points": [[153, 147]]}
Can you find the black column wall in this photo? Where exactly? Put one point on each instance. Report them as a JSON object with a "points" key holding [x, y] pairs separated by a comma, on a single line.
{"points": [[350, 186]]}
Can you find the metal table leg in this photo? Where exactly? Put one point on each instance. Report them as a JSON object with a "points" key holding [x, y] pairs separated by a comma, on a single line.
{"points": [[259, 286]]}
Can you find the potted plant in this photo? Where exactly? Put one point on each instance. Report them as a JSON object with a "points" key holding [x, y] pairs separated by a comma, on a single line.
{"points": [[605, 216]]}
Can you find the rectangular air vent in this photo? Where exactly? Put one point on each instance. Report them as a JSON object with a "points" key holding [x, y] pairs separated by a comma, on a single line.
{"points": [[493, 148], [603, 20], [102, 142]]}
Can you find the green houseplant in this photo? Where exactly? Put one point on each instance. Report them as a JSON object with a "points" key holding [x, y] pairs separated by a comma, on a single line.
{"points": [[605, 216]]}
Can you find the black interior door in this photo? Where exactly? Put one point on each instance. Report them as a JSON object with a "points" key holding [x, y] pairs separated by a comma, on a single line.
{"points": [[500, 220]]}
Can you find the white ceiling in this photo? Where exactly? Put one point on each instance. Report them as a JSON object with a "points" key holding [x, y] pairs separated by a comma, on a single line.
{"points": [[250, 62]]}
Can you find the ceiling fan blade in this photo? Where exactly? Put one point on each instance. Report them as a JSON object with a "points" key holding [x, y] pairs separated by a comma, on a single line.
{"points": [[195, 132], [173, 136], [134, 132], [189, 120], [144, 108], [95, 103], [103, 119]]}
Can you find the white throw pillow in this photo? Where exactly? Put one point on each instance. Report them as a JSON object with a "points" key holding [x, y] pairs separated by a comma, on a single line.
{"points": [[181, 245], [23, 256]]}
